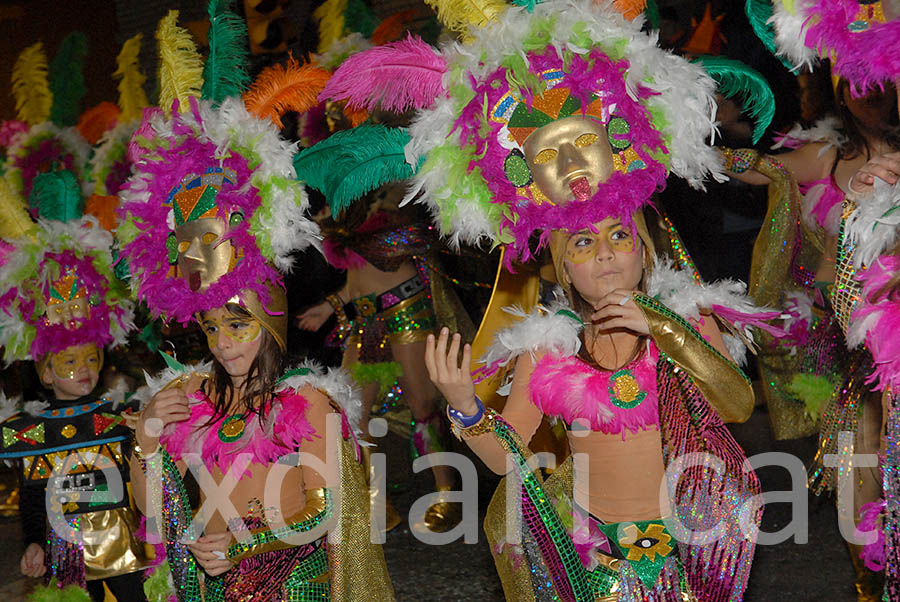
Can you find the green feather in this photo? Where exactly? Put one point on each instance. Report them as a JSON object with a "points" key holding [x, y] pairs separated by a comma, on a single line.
{"points": [[758, 13], [383, 373], [156, 586], [737, 79], [351, 163], [652, 14], [66, 78], [57, 195], [52, 593], [173, 363], [225, 73], [813, 390], [360, 18]]}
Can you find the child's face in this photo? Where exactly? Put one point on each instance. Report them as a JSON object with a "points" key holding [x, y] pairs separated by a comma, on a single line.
{"points": [[74, 371], [233, 340]]}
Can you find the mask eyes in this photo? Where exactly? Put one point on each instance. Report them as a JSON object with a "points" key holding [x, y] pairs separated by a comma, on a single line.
{"points": [[209, 238], [183, 246], [586, 140], [545, 155]]}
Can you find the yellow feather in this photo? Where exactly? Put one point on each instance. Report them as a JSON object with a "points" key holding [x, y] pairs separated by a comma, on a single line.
{"points": [[330, 16], [14, 219], [458, 15], [30, 87], [132, 98], [180, 65]]}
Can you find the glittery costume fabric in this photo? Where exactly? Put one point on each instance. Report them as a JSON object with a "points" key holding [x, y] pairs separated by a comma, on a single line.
{"points": [[545, 565], [785, 257]]}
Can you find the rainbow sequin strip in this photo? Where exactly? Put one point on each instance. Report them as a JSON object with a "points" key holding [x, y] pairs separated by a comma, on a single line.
{"points": [[890, 471], [570, 578], [270, 535]]}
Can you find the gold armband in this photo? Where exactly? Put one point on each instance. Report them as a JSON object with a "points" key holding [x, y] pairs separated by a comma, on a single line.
{"points": [[485, 425]]}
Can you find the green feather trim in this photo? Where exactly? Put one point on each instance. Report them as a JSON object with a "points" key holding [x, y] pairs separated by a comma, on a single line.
{"points": [[351, 163], [66, 79], [360, 18], [813, 390], [383, 373], [52, 593], [157, 587], [225, 73], [758, 13], [57, 195], [737, 79], [652, 14]]}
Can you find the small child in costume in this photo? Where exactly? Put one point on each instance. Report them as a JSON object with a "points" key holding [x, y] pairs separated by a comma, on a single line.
{"points": [[60, 305]]}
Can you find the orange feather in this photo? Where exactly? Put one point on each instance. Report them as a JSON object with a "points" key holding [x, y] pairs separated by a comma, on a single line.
{"points": [[392, 28], [630, 8], [282, 88], [95, 121], [104, 209]]}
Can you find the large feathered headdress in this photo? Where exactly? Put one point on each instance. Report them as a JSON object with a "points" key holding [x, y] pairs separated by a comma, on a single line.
{"points": [[479, 100], [859, 39], [211, 157]]}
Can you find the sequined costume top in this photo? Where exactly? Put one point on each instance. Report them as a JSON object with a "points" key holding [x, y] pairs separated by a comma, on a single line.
{"points": [[72, 456]]}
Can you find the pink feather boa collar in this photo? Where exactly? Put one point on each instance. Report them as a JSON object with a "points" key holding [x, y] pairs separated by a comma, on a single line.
{"points": [[569, 388], [282, 430], [881, 319]]}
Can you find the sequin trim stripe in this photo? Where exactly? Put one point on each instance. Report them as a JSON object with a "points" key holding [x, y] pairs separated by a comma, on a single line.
{"points": [[654, 305], [891, 484], [564, 565], [165, 482], [270, 535]]}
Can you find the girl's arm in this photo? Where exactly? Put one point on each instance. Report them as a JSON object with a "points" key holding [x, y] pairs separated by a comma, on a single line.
{"points": [[804, 163]]}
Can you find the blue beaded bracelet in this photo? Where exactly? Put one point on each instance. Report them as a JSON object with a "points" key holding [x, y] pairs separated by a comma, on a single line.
{"points": [[463, 421]]}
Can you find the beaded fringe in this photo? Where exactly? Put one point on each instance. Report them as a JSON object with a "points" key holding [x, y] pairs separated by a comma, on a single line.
{"points": [[65, 559]]}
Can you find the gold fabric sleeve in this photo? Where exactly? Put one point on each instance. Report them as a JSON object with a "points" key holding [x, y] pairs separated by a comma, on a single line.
{"points": [[315, 505], [784, 239], [723, 384]]}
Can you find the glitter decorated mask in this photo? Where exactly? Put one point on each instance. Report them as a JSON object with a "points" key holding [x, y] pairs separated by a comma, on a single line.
{"points": [[68, 363], [57, 289], [199, 250]]}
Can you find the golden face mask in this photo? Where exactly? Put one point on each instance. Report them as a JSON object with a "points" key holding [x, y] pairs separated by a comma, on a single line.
{"points": [[203, 257], [67, 301], [583, 246], [238, 329], [68, 362], [569, 158]]}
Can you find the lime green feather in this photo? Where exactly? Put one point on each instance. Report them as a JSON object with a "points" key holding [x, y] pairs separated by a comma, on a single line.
{"points": [[56, 195], [225, 73], [66, 79], [351, 163], [383, 373], [736, 79], [156, 586], [758, 13], [813, 390], [51, 593]]}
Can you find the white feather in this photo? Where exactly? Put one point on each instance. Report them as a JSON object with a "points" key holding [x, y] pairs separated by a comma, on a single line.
{"points": [[9, 406], [36, 407], [873, 226], [825, 130], [790, 33], [336, 383], [544, 328]]}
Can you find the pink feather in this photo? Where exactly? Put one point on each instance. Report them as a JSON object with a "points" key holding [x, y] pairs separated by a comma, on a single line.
{"points": [[741, 319], [395, 77], [872, 554], [569, 388], [282, 430], [881, 339]]}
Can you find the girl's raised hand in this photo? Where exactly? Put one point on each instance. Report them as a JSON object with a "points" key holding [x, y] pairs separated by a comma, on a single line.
{"points": [[617, 309], [453, 380], [885, 167], [167, 406]]}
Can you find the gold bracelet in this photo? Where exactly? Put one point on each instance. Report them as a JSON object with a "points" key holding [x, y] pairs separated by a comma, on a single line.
{"points": [[485, 425]]}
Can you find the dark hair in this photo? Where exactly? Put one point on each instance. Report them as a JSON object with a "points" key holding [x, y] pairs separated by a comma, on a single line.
{"points": [[856, 142], [265, 370]]}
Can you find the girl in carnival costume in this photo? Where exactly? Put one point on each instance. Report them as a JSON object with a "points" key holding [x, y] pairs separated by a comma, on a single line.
{"points": [[60, 305], [213, 203], [803, 246], [561, 120]]}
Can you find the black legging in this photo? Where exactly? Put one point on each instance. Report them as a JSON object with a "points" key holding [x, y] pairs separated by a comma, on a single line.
{"points": [[126, 588]]}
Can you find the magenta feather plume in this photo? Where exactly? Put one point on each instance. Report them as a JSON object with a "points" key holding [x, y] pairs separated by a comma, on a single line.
{"points": [[867, 59], [870, 518], [395, 77], [572, 390], [884, 313]]}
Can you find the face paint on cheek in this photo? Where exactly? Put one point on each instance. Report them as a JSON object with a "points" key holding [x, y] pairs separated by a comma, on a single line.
{"points": [[67, 365], [579, 254], [247, 333], [620, 244]]}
